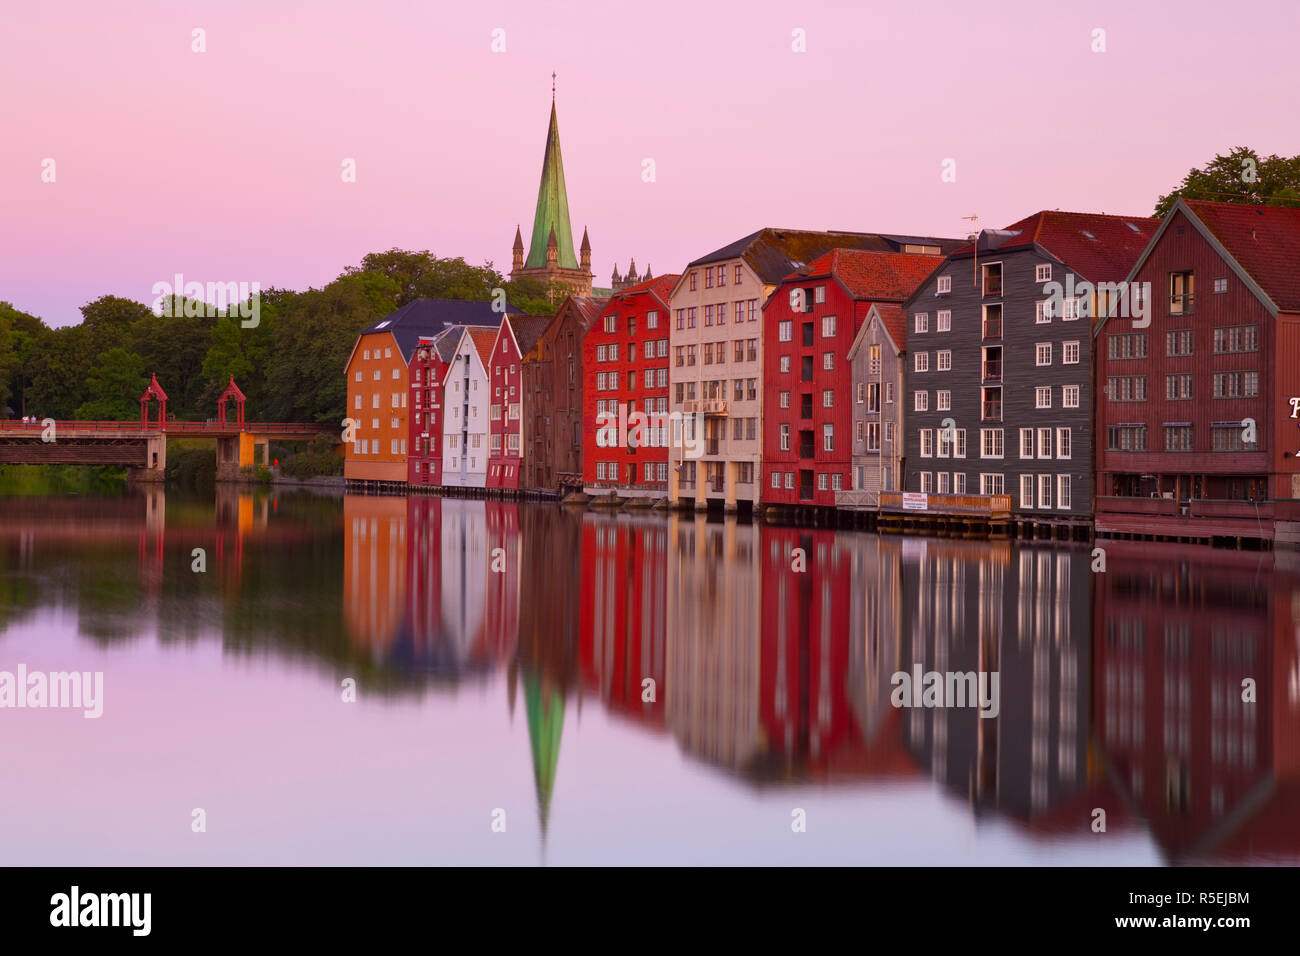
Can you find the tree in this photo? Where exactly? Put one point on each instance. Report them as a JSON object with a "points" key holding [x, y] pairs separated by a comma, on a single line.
{"points": [[115, 385], [1241, 176], [19, 333]]}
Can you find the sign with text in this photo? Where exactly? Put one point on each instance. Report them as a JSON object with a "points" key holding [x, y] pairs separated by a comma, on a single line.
{"points": [[913, 501]]}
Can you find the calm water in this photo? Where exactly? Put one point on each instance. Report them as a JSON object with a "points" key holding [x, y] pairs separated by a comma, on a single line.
{"points": [[500, 654]]}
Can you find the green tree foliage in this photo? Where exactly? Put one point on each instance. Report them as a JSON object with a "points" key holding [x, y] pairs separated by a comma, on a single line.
{"points": [[291, 365], [1241, 176], [116, 382]]}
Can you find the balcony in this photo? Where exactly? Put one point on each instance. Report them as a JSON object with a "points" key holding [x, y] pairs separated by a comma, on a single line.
{"points": [[993, 328], [992, 506], [1181, 304], [992, 412], [807, 449], [993, 370], [690, 407], [715, 406]]}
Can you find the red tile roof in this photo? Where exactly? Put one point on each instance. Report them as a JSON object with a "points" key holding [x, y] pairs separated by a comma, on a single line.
{"points": [[1265, 241], [874, 275], [895, 319], [483, 340], [1099, 247], [660, 286]]}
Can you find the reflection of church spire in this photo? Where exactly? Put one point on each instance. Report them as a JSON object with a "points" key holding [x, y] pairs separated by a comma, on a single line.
{"points": [[512, 678], [545, 725]]}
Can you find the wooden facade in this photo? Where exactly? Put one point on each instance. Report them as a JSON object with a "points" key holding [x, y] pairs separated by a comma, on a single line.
{"points": [[553, 389], [998, 382], [1218, 360]]}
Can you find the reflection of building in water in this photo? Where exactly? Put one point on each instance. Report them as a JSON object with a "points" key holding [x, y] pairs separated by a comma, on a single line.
{"points": [[1178, 630], [501, 609], [714, 639], [418, 584], [623, 610], [875, 628], [805, 643], [1022, 613], [374, 570]]}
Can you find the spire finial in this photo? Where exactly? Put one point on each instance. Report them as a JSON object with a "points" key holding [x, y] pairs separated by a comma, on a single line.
{"points": [[552, 87]]}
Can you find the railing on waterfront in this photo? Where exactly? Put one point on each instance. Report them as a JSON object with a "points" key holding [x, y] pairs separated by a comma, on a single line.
{"points": [[993, 506]]}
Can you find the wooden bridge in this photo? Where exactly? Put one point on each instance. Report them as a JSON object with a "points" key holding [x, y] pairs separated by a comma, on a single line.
{"points": [[142, 445]]}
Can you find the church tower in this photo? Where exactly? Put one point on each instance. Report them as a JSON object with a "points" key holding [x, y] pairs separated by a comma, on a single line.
{"points": [[550, 255]]}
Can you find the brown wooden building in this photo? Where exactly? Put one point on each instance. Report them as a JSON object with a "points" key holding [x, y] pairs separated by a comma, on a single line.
{"points": [[552, 391], [1196, 433]]}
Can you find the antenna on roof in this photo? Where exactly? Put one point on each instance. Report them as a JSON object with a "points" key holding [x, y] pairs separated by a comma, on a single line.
{"points": [[975, 221]]}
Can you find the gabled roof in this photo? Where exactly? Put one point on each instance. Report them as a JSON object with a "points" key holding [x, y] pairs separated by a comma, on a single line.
{"points": [[873, 275], [527, 329], [589, 308], [775, 253], [426, 317], [483, 340], [446, 342], [1099, 247], [892, 317], [660, 287], [1264, 241]]}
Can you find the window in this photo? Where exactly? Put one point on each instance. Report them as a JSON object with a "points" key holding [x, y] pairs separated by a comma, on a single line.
{"points": [[366, 355], [1236, 384], [1070, 353], [992, 273], [921, 362], [819, 294], [959, 482], [992, 484], [708, 311], [690, 318], [1044, 443], [873, 435], [921, 322], [828, 360], [1069, 396], [927, 442], [828, 398], [785, 364], [943, 321], [889, 393], [789, 480], [692, 281], [358, 375], [1072, 310], [1043, 272], [776, 479], [1236, 338], [1126, 388], [1126, 437], [1178, 342], [1178, 437], [993, 321], [1063, 443], [943, 285], [990, 442], [1043, 397], [828, 326], [736, 278], [785, 437], [785, 330], [1221, 285], [944, 360], [873, 360], [1043, 353], [943, 400], [652, 319], [1178, 387], [1043, 312], [1044, 491], [1026, 491], [1063, 492], [1181, 293], [1131, 345], [1026, 443], [927, 482], [828, 437], [921, 402], [1230, 436], [785, 399]]}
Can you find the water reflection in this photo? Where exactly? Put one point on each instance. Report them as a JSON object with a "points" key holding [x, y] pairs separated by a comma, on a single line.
{"points": [[765, 655]]}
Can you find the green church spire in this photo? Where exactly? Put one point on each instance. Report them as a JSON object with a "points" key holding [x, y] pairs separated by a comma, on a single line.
{"points": [[552, 206]]}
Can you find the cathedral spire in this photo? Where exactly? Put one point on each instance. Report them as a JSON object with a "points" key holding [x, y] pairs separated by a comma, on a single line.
{"points": [[552, 206]]}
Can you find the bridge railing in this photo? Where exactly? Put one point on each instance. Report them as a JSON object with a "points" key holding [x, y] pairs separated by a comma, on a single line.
{"points": [[180, 428]]}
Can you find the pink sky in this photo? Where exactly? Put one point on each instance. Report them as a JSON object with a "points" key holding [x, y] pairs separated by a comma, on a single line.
{"points": [[225, 165]]}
